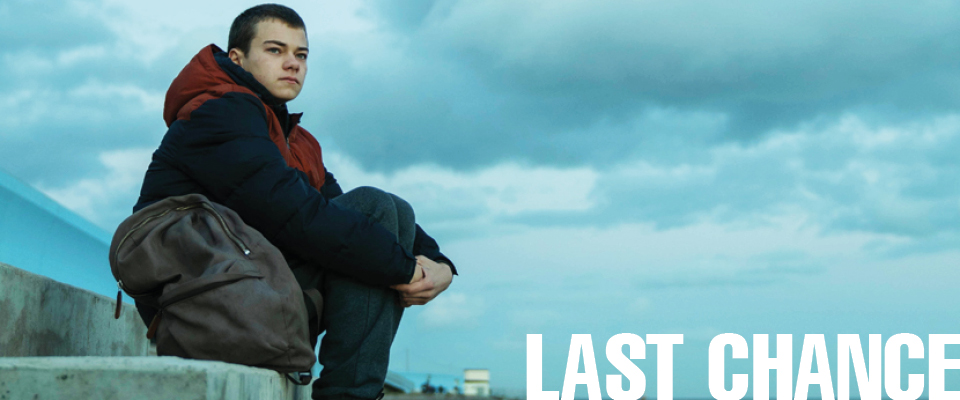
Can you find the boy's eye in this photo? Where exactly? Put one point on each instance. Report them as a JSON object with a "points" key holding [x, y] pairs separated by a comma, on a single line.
{"points": [[273, 50], [302, 56]]}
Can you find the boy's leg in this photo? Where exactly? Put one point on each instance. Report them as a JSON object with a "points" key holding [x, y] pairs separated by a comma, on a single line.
{"points": [[392, 212], [361, 320]]}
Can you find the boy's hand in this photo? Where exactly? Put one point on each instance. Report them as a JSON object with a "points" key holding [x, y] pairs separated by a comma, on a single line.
{"points": [[435, 279], [417, 273]]}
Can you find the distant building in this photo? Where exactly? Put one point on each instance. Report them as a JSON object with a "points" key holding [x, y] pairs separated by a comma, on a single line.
{"points": [[476, 382]]}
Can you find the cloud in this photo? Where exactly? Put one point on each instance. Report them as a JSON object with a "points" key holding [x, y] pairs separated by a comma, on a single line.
{"points": [[846, 176], [452, 200], [741, 57], [764, 269], [75, 91], [403, 16], [109, 199], [470, 84], [40, 24], [452, 311], [639, 306], [556, 121], [620, 260], [535, 319]]}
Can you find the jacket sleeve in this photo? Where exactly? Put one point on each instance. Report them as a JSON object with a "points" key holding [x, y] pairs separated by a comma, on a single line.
{"points": [[423, 244], [330, 189], [225, 146]]}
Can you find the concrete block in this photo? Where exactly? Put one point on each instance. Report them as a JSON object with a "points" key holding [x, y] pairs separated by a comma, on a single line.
{"points": [[43, 317], [146, 378]]}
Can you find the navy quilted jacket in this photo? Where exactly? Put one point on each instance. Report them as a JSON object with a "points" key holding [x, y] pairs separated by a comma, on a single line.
{"points": [[231, 141]]}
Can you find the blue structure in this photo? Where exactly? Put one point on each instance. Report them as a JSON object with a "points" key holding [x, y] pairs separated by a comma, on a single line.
{"points": [[39, 235]]}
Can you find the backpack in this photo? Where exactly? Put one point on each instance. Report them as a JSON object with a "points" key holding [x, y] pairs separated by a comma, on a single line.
{"points": [[224, 292]]}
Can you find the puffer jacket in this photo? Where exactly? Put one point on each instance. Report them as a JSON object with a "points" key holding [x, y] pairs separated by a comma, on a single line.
{"points": [[233, 142]]}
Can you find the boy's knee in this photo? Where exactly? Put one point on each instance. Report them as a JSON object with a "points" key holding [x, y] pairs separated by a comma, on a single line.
{"points": [[365, 199], [371, 192], [403, 207]]}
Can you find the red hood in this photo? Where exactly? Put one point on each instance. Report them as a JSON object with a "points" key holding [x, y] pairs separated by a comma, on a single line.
{"points": [[204, 79], [202, 75]]}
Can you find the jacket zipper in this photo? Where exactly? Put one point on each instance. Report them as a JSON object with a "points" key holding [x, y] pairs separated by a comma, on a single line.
{"points": [[233, 237], [223, 224]]}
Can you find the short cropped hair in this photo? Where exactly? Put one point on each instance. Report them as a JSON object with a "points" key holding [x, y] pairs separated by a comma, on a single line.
{"points": [[245, 25]]}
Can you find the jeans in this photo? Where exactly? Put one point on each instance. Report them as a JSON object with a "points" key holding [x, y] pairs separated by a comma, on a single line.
{"points": [[360, 320]]}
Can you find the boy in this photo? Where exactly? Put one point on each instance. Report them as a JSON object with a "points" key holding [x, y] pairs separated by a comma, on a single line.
{"points": [[232, 139]]}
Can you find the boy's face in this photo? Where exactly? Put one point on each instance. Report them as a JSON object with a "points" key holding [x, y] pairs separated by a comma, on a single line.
{"points": [[277, 58]]}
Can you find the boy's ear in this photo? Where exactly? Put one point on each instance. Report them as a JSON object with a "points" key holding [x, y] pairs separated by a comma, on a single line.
{"points": [[235, 55]]}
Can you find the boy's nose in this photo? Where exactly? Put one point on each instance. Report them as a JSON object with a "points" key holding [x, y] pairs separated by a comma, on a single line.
{"points": [[292, 63]]}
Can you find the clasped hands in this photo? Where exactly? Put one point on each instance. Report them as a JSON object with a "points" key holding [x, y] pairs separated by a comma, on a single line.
{"points": [[429, 279]]}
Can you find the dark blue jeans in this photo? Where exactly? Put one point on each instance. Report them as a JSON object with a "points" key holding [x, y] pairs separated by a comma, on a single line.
{"points": [[360, 320]]}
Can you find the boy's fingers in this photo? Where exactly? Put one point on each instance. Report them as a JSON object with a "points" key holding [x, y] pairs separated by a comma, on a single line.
{"points": [[403, 287], [419, 298], [416, 302], [418, 286], [424, 294]]}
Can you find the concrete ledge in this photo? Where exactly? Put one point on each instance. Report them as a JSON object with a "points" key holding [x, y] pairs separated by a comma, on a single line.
{"points": [[42, 317], [147, 378]]}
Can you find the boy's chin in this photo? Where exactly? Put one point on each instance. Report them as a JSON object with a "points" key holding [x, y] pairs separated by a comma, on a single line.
{"points": [[285, 95]]}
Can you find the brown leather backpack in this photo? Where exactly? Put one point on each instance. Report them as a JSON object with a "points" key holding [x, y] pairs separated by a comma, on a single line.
{"points": [[224, 292]]}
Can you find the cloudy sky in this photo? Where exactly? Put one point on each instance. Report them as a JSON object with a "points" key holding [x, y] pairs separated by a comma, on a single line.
{"points": [[693, 167]]}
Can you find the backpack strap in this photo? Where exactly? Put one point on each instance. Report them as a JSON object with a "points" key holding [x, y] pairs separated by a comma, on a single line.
{"points": [[314, 308]]}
